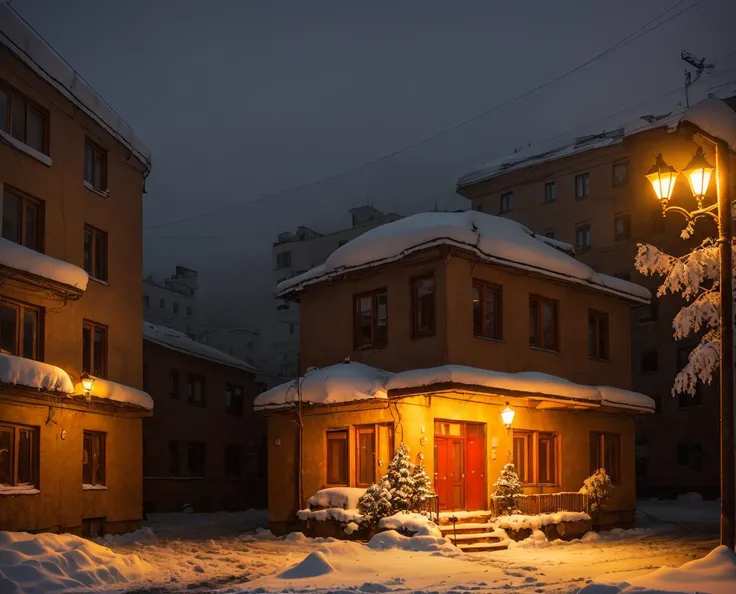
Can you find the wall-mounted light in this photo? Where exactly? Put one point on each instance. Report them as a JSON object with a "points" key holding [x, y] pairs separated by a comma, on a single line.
{"points": [[87, 382], [507, 415]]}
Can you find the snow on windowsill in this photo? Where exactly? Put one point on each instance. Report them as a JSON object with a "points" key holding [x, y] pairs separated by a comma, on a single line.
{"points": [[23, 147], [18, 490], [109, 390], [21, 258], [87, 487], [17, 371], [99, 282], [91, 188]]}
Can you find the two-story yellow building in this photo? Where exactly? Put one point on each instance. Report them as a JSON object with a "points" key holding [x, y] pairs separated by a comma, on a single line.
{"points": [[423, 331]]}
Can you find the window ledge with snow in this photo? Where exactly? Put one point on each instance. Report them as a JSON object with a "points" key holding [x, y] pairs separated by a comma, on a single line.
{"points": [[17, 371], [87, 487], [91, 188], [23, 147], [18, 490]]}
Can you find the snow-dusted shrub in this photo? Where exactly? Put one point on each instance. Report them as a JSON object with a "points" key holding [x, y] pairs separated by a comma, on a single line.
{"points": [[508, 489], [399, 476], [421, 486], [598, 488], [376, 501]]}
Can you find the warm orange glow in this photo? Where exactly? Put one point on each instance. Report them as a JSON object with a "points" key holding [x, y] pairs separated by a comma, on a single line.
{"points": [[507, 415], [699, 172], [662, 178], [87, 383]]}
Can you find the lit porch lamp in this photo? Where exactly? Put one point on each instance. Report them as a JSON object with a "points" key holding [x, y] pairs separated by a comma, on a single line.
{"points": [[87, 382], [699, 172], [507, 415], [662, 178]]}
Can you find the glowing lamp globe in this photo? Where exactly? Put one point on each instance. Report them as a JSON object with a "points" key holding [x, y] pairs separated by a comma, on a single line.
{"points": [[507, 415], [699, 172], [87, 382], [662, 177]]}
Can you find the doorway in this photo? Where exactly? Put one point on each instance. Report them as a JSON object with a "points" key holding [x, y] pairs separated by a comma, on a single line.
{"points": [[460, 465]]}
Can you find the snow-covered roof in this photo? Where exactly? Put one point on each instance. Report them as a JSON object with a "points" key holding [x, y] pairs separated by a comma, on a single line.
{"points": [[25, 43], [495, 239], [107, 390], [18, 257], [17, 371], [349, 382], [178, 341]]}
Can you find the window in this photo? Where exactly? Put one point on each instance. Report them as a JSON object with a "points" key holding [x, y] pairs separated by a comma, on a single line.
{"points": [[535, 457], [582, 237], [543, 323], [283, 260], [582, 185], [598, 334], [22, 220], [337, 457], [18, 455], [95, 252], [146, 301], [233, 460], [174, 459], [20, 329], [162, 303], [176, 307], [23, 119], [550, 192], [620, 174], [371, 319], [234, 399], [423, 306], [195, 389], [486, 310], [190, 310], [93, 458], [95, 166], [507, 201], [365, 455], [93, 527], [94, 349], [690, 455], [650, 361], [684, 399], [174, 383], [622, 227], [605, 452], [196, 458]]}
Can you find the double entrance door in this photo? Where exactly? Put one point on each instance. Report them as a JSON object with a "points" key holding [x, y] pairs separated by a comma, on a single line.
{"points": [[460, 465]]}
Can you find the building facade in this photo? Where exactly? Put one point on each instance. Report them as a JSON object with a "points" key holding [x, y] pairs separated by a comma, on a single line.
{"points": [[205, 446], [593, 194], [71, 190], [173, 301]]}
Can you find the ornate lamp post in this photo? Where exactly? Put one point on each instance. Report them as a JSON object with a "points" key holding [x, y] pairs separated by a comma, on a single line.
{"points": [[699, 173]]}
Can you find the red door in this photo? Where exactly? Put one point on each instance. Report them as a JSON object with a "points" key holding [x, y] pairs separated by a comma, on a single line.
{"points": [[460, 465], [475, 475], [441, 484], [448, 472]]}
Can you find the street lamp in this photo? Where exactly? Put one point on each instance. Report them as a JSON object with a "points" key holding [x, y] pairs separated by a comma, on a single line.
{"points": [[698, 173], [507, 416]]}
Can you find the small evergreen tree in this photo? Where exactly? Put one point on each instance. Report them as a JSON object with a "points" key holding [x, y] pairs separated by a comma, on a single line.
{"points": [[422, 486], [508, 488], [399, 476], [598, 488], [375, 503]]}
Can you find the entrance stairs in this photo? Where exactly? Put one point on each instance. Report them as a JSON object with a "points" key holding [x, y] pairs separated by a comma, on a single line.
{"points": [[473, 532]]}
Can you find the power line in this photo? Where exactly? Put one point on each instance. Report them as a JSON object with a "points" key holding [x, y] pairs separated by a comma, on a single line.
{"points": [[640, 32]]}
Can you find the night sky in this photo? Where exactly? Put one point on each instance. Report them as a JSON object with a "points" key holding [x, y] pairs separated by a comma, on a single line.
{"points": [[241, 99]]}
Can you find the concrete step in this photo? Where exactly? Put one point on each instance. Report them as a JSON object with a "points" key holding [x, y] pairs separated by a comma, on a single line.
{"points": [[483, 537], [481, 547], [479, 517], [469, 528]]}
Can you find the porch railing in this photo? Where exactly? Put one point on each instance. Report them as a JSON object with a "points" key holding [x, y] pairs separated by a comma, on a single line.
{"points": [[548, 503], [431, 505]]}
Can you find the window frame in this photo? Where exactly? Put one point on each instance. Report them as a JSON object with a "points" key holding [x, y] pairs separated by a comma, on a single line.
{"points": [[342, 434], [96, 234], [550, 196], [24, 201], [484, 287], [91, 368], [613, 174], [506, 202], [599, 438], [530, 473], [365, 430], [584, 177], [38, 343], [191, 379], [15, 430], [239, 410], [101, 438], [540, 301], [597, 317], [587, 235], [283, 260], [97, 152], [626, 234], [6, 124], [374, 294], [416, 331], [174, 382]]}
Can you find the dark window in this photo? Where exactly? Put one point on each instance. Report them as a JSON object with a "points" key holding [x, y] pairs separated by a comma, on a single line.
{"points": [[22, 219], [95, 166], [23, 119], [620, 174], [233, 460], [543, 323], [174, 383], [95, 252], [650, 361], [507, 201], [146, 301], [598, 334], [283, 260], [487, 310], [337, 457], [371, 319], [365, 444], [690, 455], [162, 303], [93, 527], [622, 227], [20, 329], [176, 307], [582, 185], [423, 306], [174, 459], [582, 237], [94, 349], [196, 458], [605, 452], [93, 458], [234, 399], [550, 192], [18, 455], [195, 389]]}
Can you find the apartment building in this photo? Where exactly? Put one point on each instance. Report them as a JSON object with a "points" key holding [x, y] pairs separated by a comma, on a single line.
{"points": [[592, 193], [71, 191], [205, 447], [172, 302], [295, 253]]}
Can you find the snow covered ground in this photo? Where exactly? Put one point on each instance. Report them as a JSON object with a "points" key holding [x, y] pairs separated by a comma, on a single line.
{"points": [[224, 552]]}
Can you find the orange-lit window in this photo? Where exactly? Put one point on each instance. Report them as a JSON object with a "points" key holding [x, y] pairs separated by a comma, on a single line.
{"points": [[337, 457]]}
